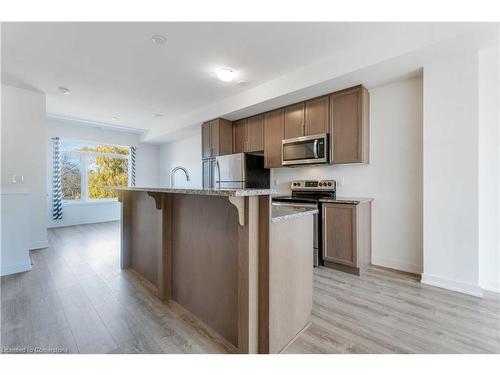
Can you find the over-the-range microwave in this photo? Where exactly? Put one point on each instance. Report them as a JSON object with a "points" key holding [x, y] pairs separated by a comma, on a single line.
{"points": [[312, 149]]}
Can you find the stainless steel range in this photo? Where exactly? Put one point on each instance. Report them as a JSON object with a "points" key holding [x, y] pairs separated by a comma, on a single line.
{"points": [[310, 192]]}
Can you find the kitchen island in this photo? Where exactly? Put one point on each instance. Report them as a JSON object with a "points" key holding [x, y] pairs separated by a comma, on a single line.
{"points": [[217, 254]]}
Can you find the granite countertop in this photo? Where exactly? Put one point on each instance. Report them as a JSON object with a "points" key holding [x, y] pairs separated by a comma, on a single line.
{"points": [[287, 212], [219, 192], [346, 200]]}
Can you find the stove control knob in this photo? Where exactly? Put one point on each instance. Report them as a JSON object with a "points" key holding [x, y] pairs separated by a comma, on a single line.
{"points": [[320, 184], [329, 184]]}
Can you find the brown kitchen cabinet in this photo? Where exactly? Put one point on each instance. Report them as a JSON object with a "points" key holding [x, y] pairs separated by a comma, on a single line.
{"points": [[273, 136], [239, 136], [316, 116], [216, 138], [347, 236], [255, 133], [294, 121], [307, 118], [248, 134], [349, 126]]}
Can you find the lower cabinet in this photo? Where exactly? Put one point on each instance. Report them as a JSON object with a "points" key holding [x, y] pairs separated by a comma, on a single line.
{"points": [[347, 236]]}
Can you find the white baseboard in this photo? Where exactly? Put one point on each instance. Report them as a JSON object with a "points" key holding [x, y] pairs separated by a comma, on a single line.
{"points": [[80, 222], [456, 286], [492, 286], [397, 265], [15, 268], [39, 245]]}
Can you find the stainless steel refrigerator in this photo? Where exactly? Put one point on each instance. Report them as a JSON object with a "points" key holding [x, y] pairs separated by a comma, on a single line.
{"points": [[236, 171]]}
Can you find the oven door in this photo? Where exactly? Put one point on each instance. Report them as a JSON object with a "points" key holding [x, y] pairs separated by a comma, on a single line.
{"points": [[305, 150]]}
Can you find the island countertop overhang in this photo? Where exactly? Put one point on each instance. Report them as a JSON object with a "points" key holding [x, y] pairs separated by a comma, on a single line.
{"points": [[216, 192]]}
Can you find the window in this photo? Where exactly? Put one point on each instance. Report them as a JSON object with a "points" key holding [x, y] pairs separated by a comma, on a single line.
{"points": [[87, 169]]}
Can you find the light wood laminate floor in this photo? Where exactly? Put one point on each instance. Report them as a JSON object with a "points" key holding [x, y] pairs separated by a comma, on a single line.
{"points": [[77, 299]]}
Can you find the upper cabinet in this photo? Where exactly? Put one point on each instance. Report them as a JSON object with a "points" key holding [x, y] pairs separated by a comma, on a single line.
{"points": [[316, 116], [255, 126], [307, 118], [248, 134], [294, 121], [344, 115], [216, 138], [239, 136], [349, 126], [273, 136]]}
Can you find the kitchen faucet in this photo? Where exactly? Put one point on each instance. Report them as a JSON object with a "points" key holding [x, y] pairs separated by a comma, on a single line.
{"points": [[172, 175]]}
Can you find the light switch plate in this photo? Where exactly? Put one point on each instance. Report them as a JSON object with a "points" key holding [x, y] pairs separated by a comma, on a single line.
{"points": [[17, 179]]}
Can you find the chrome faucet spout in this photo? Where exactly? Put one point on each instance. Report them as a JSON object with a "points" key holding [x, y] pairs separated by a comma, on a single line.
{"points": [[172, 175]]}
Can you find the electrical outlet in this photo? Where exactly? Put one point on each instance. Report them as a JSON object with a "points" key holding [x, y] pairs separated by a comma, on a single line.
{"points": [[16, 179]]}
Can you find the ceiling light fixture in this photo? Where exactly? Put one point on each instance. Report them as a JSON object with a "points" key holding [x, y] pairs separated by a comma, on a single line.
{"points": [[114, 118], [64, 90], [158, 39], [225, 74]]}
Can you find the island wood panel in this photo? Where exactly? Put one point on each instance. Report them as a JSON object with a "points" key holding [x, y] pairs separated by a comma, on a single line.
{"points": [[165, 259], [248, 278], [208, 257], [145, 231], [205, 260], [290, 280], [263, 285]]}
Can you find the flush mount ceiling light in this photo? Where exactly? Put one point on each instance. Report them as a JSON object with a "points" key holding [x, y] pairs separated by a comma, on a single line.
{"points": [[158, 39], [64, 90], [114, 118], [225, 74]]}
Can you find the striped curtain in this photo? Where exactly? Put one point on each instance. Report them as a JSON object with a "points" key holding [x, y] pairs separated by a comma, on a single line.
{"points": [[132, 166], [56, 180]]}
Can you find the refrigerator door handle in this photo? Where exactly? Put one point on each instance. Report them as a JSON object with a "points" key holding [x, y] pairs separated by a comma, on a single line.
{"points": [[218, 172]]}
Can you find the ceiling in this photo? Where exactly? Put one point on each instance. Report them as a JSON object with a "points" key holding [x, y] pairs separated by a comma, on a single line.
{"points": [[115, 70]]}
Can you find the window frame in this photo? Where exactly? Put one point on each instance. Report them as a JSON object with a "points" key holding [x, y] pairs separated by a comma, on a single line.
{"points": [[84, 161]]}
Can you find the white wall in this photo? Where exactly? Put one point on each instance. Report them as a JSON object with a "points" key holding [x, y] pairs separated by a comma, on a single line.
{"points": [[185, 152], [147, 166], [393, 177], [23, 154], [489, 169], [451, 174]]}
